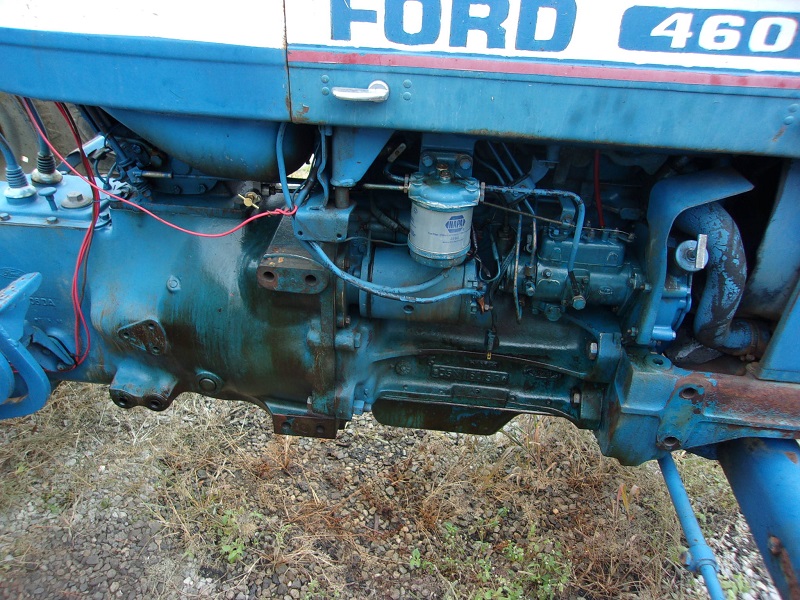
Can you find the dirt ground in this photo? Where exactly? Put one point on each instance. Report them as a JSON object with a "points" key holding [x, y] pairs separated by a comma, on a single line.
{"points": [[203, 501]]}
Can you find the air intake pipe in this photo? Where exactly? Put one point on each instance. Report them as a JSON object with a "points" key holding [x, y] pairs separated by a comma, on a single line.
{"points": [[726, 275]]}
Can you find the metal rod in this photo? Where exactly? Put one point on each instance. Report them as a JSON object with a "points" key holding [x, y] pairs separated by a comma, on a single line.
{"points": [[382, 186], [701, 557]]}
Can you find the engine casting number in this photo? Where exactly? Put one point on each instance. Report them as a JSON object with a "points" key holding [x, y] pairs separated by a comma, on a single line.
{"points": [[451, 373]]}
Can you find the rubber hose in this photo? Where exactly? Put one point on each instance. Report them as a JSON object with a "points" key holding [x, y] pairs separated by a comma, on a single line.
{"points": [[726, 275]]}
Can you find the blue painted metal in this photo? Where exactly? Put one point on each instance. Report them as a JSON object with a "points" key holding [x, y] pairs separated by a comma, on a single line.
{"points": [[194, 78], [780, 361], [394, 267], [14, 301], [224, 147], [765, 477], [319, 221], [545, 107], [776, 271], [701, 557], [653, 407], [668, 199], [354, 150]]}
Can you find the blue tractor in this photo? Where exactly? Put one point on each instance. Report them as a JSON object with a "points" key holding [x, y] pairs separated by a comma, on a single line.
{"points": [[562, 207]]}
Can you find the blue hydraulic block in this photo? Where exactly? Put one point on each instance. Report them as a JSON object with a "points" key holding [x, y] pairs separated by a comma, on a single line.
{"points": [[765, 477], [701, 557]]}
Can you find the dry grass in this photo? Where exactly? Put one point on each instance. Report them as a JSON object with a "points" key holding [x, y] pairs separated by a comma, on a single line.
{"points": [[534, 511]]}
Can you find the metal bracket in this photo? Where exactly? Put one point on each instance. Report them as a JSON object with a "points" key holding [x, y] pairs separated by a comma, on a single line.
{"points": [[147, 335], [287, 266], [14, 302], [320, 426], [317, 222]]}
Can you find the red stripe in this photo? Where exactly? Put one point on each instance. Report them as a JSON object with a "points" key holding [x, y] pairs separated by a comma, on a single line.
{"points": [[554, 69]]}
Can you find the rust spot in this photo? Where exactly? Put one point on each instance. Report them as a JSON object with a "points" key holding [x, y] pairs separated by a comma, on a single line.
{"points": [[762, 404], [777, 549], [778, 135], [792, 457]]}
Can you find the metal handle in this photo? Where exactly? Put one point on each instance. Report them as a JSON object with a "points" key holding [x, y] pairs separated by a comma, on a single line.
{"points": [[377, 91]]}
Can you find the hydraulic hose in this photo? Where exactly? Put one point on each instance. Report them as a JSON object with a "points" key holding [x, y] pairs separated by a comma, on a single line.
{"points": [[726, 275], [8, 153], [15, 176], [400, 294], [44, 151]]}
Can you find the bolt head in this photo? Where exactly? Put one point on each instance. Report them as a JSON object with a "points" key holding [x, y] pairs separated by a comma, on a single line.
{"points": [[75, 199], [207, 384]]}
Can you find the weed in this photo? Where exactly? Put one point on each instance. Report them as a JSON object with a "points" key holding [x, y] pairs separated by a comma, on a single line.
{"points": [[735, 586]]}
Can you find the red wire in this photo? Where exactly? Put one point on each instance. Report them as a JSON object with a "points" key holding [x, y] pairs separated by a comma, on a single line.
{"points": [[83, 253], [597, 199]]}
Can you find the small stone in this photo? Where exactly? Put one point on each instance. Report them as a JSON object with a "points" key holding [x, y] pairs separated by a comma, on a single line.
{"points": [[92, 560], [113, 587]]}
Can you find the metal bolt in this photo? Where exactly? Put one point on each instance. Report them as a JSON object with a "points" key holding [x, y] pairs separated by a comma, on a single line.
{"points": [[4, 216], [326, 91], [465, 162], [406, 95], [207, 384], [51, 220], [75, 200], [530, 287], [173, 284], [427, 160], [578, 302], [592, 350], [575, 397], [547, 273]]}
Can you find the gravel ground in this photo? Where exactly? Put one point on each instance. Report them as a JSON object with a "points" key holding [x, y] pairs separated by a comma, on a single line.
{"points": [[203, 501]]}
